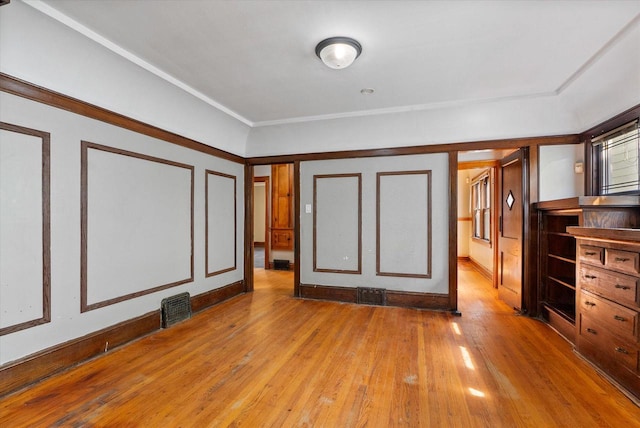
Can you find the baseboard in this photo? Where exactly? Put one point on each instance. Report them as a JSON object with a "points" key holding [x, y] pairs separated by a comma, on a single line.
{"points": [[483, 270], [405, 299], [292, 266], [25, 371], [258, 244], [47, 362], [213, 297]]}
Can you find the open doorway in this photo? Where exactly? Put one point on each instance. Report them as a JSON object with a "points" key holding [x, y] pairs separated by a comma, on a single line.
{"points": [[479, 210], [273, 218]]}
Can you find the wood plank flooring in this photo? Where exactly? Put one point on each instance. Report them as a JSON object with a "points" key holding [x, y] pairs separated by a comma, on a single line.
{"points": [[267, 359]]}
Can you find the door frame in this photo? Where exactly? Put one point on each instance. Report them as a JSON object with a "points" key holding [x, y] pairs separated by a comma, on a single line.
{"points": [[267, 229]]}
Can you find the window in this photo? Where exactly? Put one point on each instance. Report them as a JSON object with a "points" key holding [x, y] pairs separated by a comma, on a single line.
{"points": [[616, 160], [481, 206]]}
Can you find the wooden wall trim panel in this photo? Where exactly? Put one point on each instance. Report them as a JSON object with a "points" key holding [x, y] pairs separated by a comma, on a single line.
{"points": [[453, 231], [206, 222], [84, 189], [33, 92], [32, 368], [428, 238], [248, 228], [403, 299], [418, 150], [46, 228], [315, 216], [407, 299], [213, 297], [296, 228], [323, 292]]}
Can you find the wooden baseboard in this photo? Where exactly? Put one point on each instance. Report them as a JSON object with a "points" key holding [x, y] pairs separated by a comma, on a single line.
{"points": [[292, 266], [213, 297], [405, 299], [483, 270], [258, 244], [35, 367], [323, 292]]}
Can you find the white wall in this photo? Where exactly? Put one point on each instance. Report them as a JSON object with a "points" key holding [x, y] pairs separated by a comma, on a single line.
{"points": [[558, 178], [67, 130], [40, 50], [437, 163]]}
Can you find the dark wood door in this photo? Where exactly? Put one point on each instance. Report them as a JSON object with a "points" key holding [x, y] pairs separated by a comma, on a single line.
{"points": [[511, 231], [282, 207]]}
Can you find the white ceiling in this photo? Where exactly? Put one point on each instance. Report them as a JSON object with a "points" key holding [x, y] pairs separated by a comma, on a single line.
{"points": [[256, 59]]}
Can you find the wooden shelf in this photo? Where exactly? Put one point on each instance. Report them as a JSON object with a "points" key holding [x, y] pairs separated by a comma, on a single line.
{"points": [[564, 282], [563, 258]]}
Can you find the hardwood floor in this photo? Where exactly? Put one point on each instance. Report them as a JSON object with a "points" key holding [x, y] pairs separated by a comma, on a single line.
{"points": [[267, 359]]}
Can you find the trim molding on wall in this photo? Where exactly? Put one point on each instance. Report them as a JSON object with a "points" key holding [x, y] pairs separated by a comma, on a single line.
{"points": [[206, 222], [35, 367], [84, 189], [32, 368], [315, 216], [405, 299], [46, 228], [213, 297], [33, 92], [481, 269], [428, 238]]}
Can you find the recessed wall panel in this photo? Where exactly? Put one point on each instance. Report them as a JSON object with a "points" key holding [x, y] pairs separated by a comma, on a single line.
{"points": [[24, 228], [404, 224], [221, 223], [337, 223], [137, 225]]}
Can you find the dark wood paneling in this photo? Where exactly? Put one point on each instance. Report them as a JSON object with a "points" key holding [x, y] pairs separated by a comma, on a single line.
{"points": [[27, 90], [418, 150], [407, 299], [248, 228], [25, 371], [46, 227], [84, 209], [315, 215], [206, 225], [453, 231], [323, 292], [296, 228], [213, 297]]}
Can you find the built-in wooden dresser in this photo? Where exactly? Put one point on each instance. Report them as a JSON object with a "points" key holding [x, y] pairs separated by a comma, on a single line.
{"points": [[608, 302]]}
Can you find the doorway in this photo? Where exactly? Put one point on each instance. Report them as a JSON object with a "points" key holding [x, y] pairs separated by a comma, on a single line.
{"points": [[479, 213], [273, 221]]}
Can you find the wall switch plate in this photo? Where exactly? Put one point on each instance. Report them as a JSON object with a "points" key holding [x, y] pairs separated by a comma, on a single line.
{"points": [[307, 208]]}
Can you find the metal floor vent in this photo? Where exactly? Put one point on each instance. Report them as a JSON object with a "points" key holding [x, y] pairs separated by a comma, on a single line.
{"points": [[372, 296], [175, 309], [279, 264]]}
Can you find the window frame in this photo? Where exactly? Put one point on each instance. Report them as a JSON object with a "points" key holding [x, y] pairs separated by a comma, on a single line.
{"points": [[481, 194], [592, 177]]}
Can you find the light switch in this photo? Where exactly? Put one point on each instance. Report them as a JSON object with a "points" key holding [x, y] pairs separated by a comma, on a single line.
{"points": [[307, 208]]}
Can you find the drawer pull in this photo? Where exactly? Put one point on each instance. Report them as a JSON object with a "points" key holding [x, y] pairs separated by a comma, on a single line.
{"points": [[590, 277], [619, 318], [589, 303], [623, 287], [622, 259], [590, 253], [592, 331], [622, 350]]}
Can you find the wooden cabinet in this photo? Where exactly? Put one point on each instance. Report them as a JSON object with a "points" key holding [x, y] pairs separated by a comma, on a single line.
{"points": [[557, 262], [282, 207], [608, 317]]}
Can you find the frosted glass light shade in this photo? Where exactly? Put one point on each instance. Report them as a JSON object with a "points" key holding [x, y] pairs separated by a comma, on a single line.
{"points": [[338, 52]]}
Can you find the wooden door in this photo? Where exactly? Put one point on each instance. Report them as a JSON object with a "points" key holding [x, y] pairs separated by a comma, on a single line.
{"points": [[510, 242], [282, 207]]}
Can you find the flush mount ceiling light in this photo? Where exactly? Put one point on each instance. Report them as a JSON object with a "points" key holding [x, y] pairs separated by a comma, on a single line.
{"points": [[338, 52]]}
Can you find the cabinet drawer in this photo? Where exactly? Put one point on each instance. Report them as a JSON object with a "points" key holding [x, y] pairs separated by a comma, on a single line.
{"points": [[625, 261], [591, 254], [610, 346], [612, 285], [621, 320]]}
